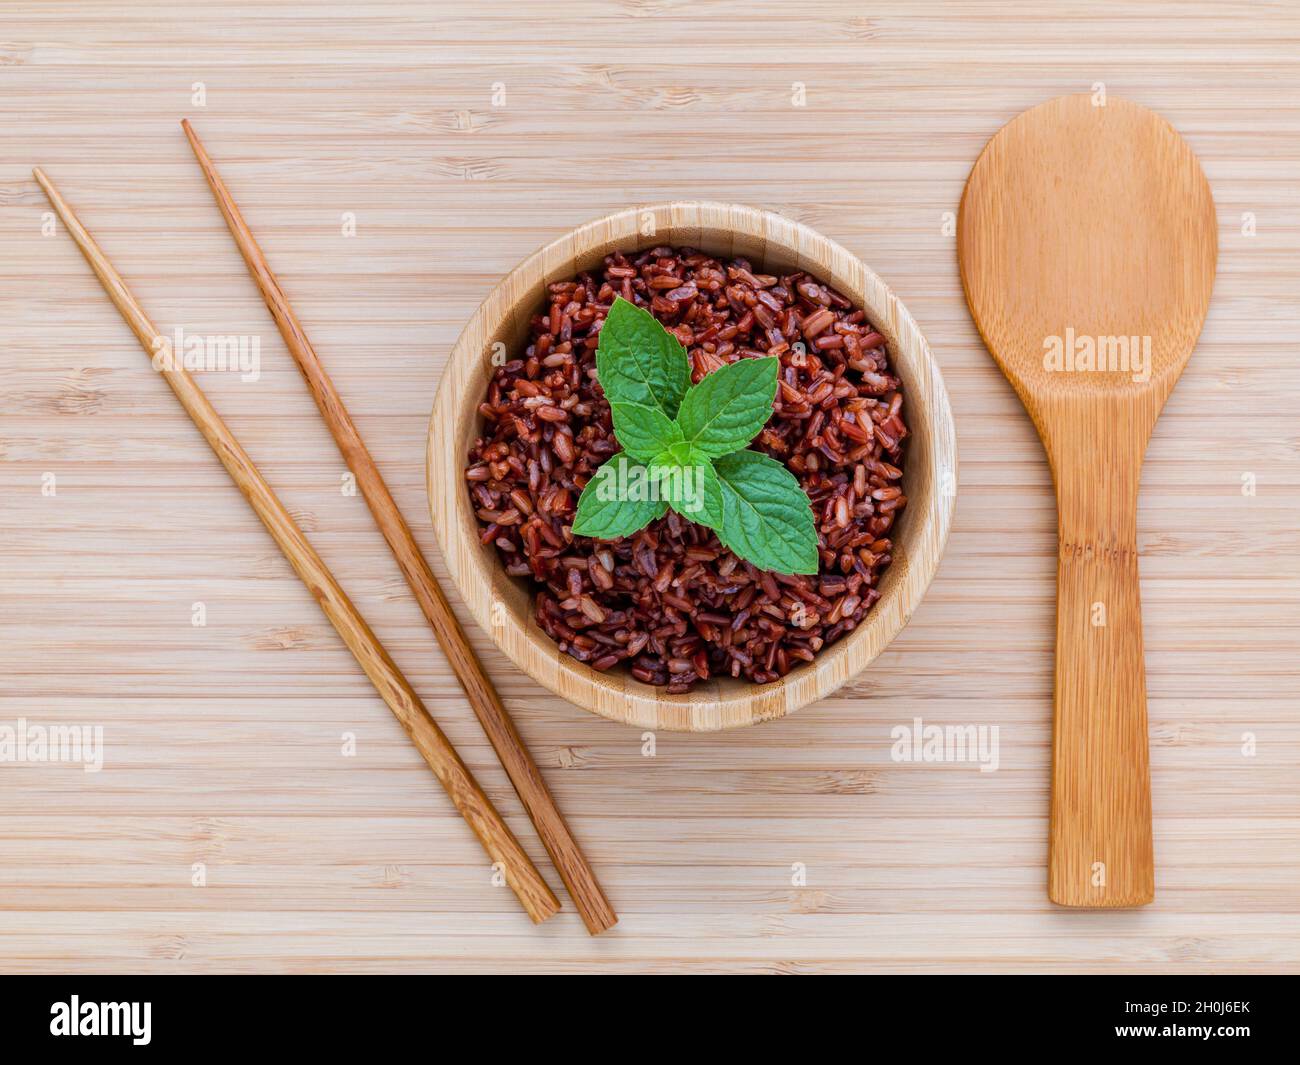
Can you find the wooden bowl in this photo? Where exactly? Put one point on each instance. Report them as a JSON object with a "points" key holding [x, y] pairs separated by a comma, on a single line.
{"points": [[503, 605]]}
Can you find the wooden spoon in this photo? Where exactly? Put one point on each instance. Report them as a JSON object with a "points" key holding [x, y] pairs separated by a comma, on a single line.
{"points": [[1087, 246]]}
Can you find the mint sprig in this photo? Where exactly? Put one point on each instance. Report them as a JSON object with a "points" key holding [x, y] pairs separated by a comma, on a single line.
{"points": [[687, 482], [683, 447]]}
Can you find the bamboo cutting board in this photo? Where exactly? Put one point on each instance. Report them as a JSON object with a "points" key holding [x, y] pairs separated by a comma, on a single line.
{"points": [[259, 810]]}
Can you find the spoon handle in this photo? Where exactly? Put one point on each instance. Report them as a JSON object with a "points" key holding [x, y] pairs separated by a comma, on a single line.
{"points": [[1100, 851]]}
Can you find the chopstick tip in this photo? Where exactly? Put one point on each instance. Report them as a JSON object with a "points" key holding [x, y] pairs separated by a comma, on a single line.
{"points": [[47, 186], [195, 144]]}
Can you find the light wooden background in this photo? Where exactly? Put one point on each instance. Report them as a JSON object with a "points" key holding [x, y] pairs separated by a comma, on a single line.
{"points": [[224, 742]]}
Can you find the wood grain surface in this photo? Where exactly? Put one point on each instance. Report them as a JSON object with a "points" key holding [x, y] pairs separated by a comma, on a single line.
{"points": [[260, 810]]}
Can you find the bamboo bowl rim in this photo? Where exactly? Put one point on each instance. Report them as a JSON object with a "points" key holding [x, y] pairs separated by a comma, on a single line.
{"points": [[502, 605]]}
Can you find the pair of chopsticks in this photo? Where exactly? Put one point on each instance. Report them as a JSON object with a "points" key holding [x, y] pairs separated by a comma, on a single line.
{"points": [[522, 876]]}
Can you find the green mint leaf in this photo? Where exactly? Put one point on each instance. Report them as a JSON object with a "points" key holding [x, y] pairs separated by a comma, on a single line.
{"points": [[639, 361], [767, 519], [726, 410], [708, 507], [643, 431], [619, 499], [686, 481]]}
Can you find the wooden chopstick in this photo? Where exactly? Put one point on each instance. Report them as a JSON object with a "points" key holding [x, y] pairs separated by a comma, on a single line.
{"points": [[496, 837], [572, 866]]}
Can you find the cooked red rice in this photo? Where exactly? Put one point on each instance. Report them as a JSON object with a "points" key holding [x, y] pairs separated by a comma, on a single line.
{"points": [[670, 601]]}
